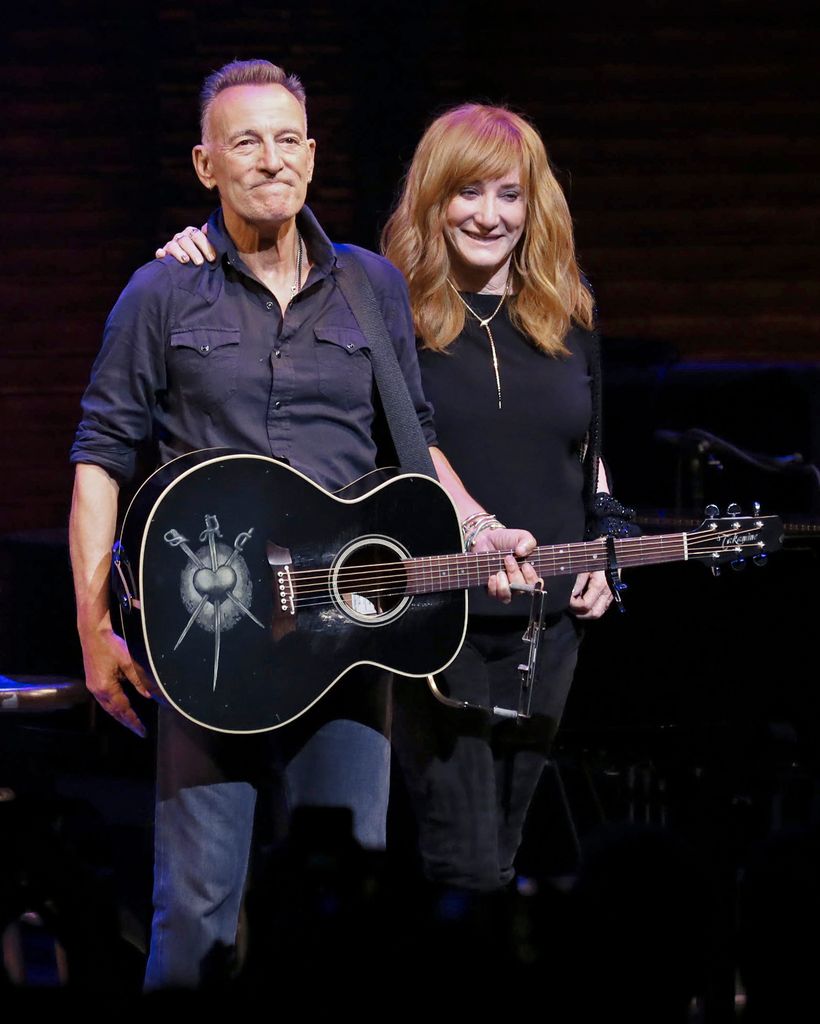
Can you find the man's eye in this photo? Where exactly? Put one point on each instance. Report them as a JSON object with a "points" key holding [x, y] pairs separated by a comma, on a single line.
{"points": [[290, 141]]}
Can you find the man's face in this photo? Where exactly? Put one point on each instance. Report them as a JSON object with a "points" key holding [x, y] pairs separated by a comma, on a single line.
{"points": [[257, 153]]}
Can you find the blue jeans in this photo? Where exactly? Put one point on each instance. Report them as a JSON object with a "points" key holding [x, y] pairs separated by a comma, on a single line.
{"points": [[206, 798]]}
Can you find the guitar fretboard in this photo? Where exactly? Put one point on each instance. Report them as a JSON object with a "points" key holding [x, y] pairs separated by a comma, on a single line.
{"points": [[457, 572]]}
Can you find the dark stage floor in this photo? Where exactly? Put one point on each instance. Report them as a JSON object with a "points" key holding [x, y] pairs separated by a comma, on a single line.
{"points": [[656, 861]]}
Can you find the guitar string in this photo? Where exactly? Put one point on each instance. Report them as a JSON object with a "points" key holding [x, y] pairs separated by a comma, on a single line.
{"points": [[401, 573], [643, 547], [322, 595], [409, 568]]}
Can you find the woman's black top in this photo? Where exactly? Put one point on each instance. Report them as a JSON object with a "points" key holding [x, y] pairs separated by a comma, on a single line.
{"points": [[522, 461]]}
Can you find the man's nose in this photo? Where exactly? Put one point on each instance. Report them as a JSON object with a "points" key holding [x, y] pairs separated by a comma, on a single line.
{"points": [[270, 159]]}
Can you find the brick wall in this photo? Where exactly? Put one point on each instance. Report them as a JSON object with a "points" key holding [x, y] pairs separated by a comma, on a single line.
{"points": [[687, 144]]}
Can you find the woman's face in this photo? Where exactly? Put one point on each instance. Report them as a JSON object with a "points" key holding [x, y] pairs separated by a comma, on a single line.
{"points": [[485, 220]]}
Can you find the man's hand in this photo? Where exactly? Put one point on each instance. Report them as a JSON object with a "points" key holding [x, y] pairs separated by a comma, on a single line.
{"points": [[189, 245], [591, 596], [107, 666], [105, 657], [519, 541]]}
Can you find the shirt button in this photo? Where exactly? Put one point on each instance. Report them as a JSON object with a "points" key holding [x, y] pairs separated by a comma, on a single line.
{"points": [[278, 353], [350, 346], [204, 348], [277, 405], [269, 305]]}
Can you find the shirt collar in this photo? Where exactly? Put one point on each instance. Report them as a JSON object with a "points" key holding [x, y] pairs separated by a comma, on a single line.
{"points": [[319, 246]]}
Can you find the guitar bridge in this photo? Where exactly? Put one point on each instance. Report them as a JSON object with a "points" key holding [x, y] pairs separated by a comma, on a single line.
{"points": [[284, 592], [279, 559]]}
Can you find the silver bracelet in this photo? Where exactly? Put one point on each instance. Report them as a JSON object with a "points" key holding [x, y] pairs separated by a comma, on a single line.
{"points": [[485, 524]]}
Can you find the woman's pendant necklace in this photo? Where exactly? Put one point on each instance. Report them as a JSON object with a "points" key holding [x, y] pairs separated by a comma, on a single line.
{"points": [[485, 323]]}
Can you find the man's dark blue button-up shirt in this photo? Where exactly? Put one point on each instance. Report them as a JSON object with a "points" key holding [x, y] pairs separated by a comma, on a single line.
{"points": [[200, 357]]}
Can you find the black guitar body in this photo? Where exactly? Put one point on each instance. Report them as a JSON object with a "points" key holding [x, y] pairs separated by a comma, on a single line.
{"points": [[244, 575]]}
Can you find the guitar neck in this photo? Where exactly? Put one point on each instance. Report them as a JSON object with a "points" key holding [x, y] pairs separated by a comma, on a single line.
{"points": [[591, 556], [457, 572]]}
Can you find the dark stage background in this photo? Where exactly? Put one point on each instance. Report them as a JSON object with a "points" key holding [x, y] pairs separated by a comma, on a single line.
{"points": [[685, 137]]}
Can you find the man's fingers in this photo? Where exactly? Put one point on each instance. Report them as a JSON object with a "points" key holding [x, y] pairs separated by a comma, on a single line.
{"points": [[108, 690], [141, 683], [114, 702]]}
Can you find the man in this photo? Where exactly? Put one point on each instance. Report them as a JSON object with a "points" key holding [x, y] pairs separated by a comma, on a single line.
{"points": [[259, 352]]}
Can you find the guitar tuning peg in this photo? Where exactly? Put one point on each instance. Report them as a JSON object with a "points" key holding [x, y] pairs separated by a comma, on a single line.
{"points": [[715, 570], [733, 509], [761, 559], [712, 511], [738, 564], [756, 508]]}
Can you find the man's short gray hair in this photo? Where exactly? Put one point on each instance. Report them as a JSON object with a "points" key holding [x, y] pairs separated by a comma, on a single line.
{"points": [[246, 72]]}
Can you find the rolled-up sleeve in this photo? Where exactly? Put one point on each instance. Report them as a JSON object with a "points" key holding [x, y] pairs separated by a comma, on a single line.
{"points": [[128, 376]]}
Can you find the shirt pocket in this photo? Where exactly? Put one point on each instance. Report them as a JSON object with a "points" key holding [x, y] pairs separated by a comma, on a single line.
{"points": [[203, 363], [343, 364]]}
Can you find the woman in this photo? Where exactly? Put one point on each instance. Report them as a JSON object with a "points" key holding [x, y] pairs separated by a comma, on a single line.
{"points": [[483, 236], [504, 320]]}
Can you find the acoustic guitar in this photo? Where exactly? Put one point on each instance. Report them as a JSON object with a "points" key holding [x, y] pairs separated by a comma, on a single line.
{"points": [[247, 590]]}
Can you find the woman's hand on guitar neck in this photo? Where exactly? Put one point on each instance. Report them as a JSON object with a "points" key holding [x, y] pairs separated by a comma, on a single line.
{"points": [[190, 245], [514, 572]]}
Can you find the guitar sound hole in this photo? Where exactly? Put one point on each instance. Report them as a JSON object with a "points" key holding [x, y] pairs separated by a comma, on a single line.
{"points": [[370, 582]]}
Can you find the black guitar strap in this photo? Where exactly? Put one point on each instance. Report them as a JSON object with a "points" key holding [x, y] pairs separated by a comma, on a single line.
{"points": [[408, 439]]}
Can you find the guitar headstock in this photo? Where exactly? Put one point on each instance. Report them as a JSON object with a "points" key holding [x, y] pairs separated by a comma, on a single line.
{"points": [[734, 538]]}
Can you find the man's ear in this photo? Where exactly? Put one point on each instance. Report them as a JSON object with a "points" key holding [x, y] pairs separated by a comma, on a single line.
{"points": [[311, 143], [202, 165]]}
